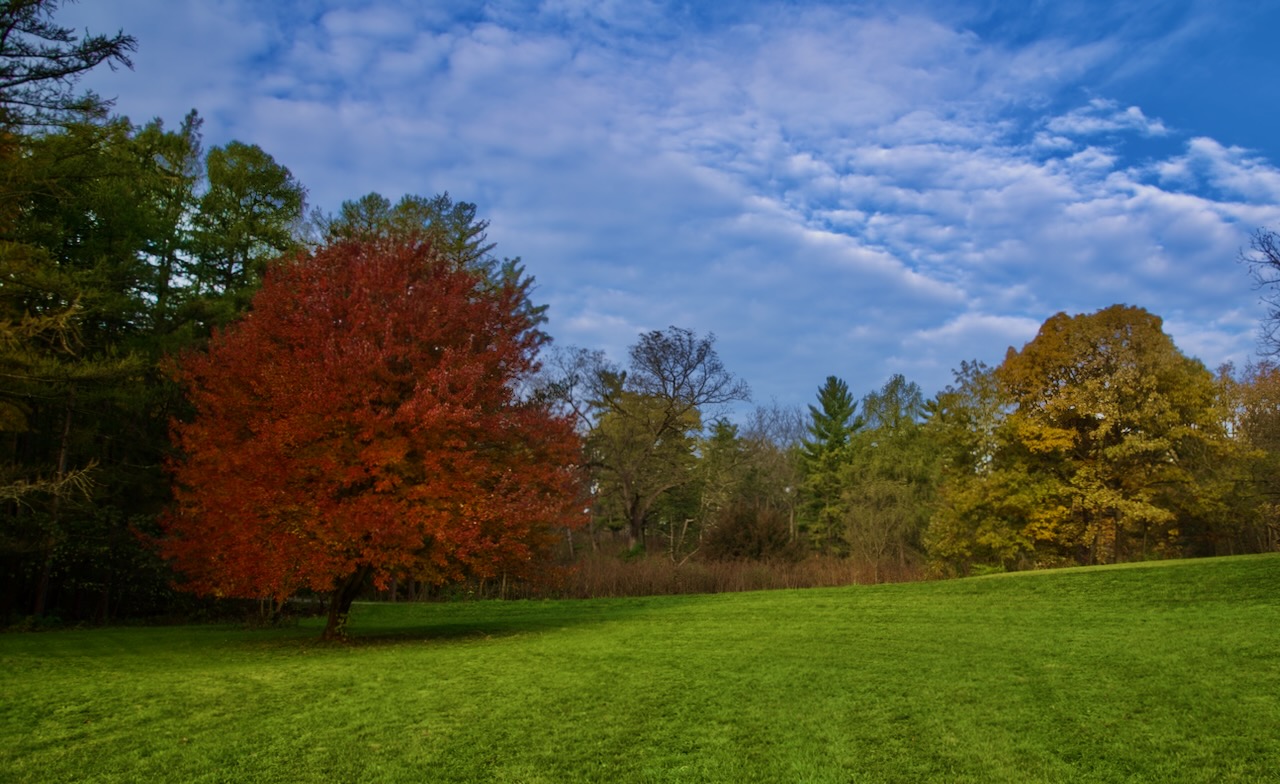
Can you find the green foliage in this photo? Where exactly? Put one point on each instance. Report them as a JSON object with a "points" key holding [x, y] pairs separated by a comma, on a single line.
{"points": [[642, 425], [832, 421], [746, 486], [643, 452], [889, 479], [895, 407], [965, 418], [822, 454], [977, 497], [71, 295], [40, 62], [102, 274], [722, 457], [1159, 672], [869, 480], [1248, 484], [451, 228], [247, 216]]}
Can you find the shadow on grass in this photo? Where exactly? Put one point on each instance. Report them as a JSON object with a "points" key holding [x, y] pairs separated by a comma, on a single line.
{"points": [[375, 624]]}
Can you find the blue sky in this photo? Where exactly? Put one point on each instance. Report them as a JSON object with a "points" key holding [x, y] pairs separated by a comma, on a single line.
{"points": [[857, 189]]}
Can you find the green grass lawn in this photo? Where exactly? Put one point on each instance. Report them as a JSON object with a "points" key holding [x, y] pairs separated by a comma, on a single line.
{"points": [[1155, 673]]}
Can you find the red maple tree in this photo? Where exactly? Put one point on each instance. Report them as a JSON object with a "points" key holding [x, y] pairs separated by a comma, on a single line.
{"points": [[362, 422]]}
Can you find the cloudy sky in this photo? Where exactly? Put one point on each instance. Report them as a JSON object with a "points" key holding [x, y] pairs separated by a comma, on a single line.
{"points": [[855, 188]]}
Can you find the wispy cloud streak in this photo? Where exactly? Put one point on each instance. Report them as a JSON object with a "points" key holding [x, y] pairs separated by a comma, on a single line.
{"points": [[852, 190]]}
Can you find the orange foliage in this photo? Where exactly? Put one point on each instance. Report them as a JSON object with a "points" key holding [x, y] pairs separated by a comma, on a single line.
{"points": [[363, 419]]}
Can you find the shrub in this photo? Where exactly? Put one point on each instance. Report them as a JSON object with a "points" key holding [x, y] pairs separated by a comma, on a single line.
{"points": [[752, 531]]}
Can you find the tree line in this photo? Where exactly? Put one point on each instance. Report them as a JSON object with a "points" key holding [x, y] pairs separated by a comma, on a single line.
{"points": [[1096, 442], [206, 388]]}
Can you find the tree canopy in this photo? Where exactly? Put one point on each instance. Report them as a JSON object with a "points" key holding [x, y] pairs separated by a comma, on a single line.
{"points": [[360, 423], [1104, 452], [824, 450], [642, 423]]}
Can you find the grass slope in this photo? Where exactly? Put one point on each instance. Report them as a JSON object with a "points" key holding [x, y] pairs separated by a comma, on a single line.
{"points": [[1164, 672]]}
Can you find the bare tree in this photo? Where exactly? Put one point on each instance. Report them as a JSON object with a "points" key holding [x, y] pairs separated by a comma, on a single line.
{"points": [[1263, 259], [774, 434], [684, 371]]}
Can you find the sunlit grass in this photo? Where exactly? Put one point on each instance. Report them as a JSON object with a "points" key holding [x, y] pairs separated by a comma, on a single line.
{"points": [[1167, 672]]}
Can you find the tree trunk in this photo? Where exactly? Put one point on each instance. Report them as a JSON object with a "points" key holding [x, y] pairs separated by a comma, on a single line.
{"points": [[340, 604], [103, 613], [42, 583], [42, 587], [635, 529]]}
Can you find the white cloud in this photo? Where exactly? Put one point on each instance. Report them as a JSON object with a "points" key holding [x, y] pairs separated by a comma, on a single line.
{"points": [[969, 335], [829, 190], [1236, 172], [1103, 116]]}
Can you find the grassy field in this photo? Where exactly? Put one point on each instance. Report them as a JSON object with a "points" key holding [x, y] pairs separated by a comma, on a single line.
{"points": [[1156, 673]]}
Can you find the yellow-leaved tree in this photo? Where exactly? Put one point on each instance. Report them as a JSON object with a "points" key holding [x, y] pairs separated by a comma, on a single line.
{"points": [[1110, 412], [1107, 445]]}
